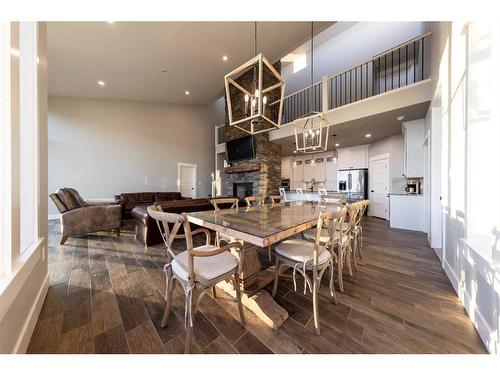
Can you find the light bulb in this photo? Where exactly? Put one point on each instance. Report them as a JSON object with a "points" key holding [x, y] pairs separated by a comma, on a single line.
{"points": [[246, 98], [310, 131], [264, 99], [257, 93], [317, 131]]}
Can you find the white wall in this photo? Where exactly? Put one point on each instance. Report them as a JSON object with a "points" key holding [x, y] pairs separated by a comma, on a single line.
{"points": [[394, 147], [474, 274], [346, 44], [105, 147]]}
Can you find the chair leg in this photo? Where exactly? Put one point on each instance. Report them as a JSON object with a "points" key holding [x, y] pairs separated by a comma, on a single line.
{"points": [[355, 250], [168, 296], [276, 276], [189, 321], [340, 260], [117, 231], [332, 287], [315, 302], [238, 296], [63, 240], [360, 242], [348, 258]]}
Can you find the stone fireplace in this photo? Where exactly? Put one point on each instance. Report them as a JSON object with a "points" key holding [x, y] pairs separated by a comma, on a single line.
{"points": [[264, 171]]}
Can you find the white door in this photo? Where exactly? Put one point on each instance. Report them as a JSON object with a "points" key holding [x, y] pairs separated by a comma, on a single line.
{"points": [[187, 179], [378, 175]]}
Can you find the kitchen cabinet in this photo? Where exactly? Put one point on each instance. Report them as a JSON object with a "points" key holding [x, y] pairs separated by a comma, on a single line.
{"points": [[407, 212], [353, 157], [286, 167], [298, 174], [330, 174], [319, 169], [308, 169], [413, 157]]}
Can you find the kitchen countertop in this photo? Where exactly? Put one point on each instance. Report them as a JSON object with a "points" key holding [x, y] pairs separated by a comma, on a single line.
{"points": [[407, 194]]}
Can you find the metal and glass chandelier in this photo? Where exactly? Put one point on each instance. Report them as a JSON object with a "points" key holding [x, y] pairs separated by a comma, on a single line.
{"points": [[311, 130], [335, 153], [254, 94]]}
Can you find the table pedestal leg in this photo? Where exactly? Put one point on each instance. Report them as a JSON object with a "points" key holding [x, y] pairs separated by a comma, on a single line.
{"points": [[253, 279]]}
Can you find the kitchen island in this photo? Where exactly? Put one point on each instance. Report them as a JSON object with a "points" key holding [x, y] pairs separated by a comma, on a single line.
{"points": [[407, 211]]}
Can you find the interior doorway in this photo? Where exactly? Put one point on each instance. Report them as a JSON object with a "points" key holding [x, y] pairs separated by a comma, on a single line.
{"points": [[378, 173], [187, 179]]}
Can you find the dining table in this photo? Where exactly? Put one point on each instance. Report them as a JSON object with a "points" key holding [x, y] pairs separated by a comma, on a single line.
{"points": [[257, 228]]}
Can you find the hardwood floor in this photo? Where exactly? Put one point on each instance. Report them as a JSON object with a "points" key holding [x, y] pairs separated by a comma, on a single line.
{"points": [[106, 296]]}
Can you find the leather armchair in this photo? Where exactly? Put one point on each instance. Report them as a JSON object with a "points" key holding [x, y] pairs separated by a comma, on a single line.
{"points": [[79, 217]]}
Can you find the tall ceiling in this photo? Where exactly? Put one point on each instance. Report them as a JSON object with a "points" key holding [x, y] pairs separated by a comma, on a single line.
{"points": [[160, 61]]}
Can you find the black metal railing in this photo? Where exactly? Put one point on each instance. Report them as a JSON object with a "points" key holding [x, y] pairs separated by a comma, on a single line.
{"points": [[397, 67]]}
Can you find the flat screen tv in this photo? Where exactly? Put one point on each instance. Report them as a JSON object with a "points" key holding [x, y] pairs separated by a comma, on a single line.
{"points": [[240, 149]]}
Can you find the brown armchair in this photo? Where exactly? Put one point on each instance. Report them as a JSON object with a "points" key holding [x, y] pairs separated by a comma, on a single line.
{"points": [[79, 216]]}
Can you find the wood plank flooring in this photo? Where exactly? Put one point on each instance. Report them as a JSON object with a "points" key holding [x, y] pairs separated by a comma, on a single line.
{"points": [[106, 296]]}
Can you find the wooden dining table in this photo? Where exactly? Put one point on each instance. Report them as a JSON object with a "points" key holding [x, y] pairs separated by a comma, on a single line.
{"points": [[258, 228]]}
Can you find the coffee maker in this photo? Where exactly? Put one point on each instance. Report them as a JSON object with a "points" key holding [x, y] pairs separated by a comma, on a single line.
{"points": [[414, 186]]}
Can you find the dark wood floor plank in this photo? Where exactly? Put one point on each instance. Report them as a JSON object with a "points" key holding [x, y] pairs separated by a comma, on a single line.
{"points": [[143, 339], [249, 344], [113, 341]]}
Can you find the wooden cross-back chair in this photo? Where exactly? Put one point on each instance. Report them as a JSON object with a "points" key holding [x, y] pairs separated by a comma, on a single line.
{"points": [[254, 200], [234, 202], [332, 198], [358, 229], [322, 191], [197, 269], [300, 194], [317, 256]]}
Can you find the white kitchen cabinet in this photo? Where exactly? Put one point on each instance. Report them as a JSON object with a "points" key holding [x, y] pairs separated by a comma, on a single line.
{"points": [[413, 136], [298, 173], [407, 212], [286, 167], [319, 169], [355, 157], [308, 169], [330, 174]]}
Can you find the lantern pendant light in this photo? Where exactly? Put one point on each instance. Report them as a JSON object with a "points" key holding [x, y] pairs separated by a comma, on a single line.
{"points": [[255, 106], [335, 153], [311, 130]]}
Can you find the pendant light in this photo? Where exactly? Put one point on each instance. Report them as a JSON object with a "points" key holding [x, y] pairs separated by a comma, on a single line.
{"points": [[249, 100], [309, 129], [335, 153]]}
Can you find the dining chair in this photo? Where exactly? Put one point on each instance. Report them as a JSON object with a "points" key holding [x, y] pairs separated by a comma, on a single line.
{"points": [[350, 234], [322, 191], [337, 198], [197, 269], [283, 193], [234, 202], [254, 201], [358, 229], [300, 194], [317, 256]]}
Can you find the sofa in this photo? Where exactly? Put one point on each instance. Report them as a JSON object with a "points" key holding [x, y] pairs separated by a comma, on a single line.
{"points": [[129, 201], [146, 229], [79, 216]]}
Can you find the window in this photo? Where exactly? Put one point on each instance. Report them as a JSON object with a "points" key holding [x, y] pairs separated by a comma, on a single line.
{"points": [[28, 137], [483, 135]]}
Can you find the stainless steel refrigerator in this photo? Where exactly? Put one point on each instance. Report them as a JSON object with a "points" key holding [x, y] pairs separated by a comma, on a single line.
{"points": [[353, 183]]}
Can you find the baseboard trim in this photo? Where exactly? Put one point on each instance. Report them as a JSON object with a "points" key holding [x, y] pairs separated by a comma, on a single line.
{"points": [[30, 323], [54, 217], [485, 332]]}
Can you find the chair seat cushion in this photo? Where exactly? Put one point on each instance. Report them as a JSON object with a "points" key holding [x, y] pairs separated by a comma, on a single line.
{"points": [[207, 267], [301, 251]]}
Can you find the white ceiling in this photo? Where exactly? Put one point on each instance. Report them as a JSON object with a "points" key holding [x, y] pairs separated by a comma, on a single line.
{"points": [[130, 56], [352, 133]]}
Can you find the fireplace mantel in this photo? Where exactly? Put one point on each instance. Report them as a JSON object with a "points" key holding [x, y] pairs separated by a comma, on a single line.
{"points": [[251, 166]]}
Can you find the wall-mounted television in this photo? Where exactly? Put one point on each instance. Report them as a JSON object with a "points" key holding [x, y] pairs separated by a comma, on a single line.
{"points": [[240, 149]]}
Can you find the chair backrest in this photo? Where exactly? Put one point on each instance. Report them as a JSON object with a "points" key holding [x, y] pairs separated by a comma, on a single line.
{"points": [[332, 221], [254, 201], [233, 201], [336, 198], [362, 205], [283, 193], [300, 194], [353, 212], [322, 191], [163, 219], [275, 198]]}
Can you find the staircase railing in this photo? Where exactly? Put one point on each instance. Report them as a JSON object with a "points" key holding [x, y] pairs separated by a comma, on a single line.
{"points": [[400, 66]]}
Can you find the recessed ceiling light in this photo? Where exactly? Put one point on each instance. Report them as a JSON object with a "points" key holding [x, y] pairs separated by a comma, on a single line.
{"points": [[111, 22], [224, 58], [101, 83], [164, 70], [337, 144], [294, 151], [186, 92], [400, 118], [368, 135]]}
